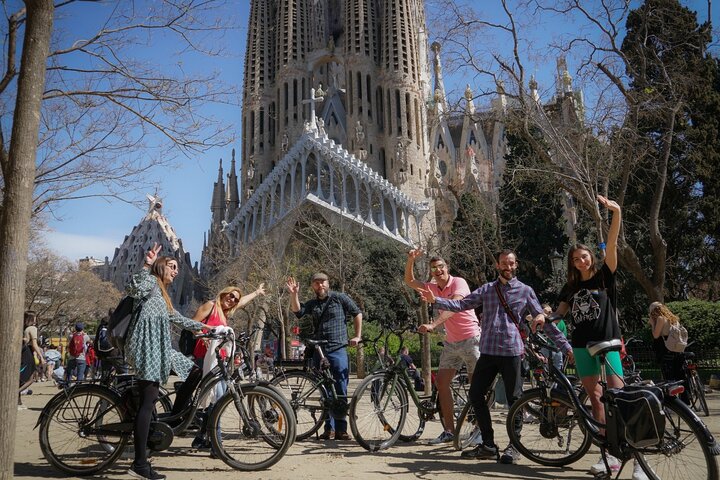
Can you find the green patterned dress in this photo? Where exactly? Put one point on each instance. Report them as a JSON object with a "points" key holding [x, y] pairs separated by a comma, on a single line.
{"points": [[148, 346]]}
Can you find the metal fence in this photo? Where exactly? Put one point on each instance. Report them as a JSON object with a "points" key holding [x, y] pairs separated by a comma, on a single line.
{"points": [[707, 361]]}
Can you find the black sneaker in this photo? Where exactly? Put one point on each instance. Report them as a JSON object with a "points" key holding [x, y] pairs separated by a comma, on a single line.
{"points": [[481, 452], [200, 442], [145, 472], [510, 455]]}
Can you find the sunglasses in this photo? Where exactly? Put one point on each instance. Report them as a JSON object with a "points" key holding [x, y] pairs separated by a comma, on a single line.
{"points": [[234, 298]]}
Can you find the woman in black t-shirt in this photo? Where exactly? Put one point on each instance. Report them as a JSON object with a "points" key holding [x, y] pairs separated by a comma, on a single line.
{"points": [[589, 298]]}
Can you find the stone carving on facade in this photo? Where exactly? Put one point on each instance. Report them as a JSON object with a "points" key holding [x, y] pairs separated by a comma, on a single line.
{"points": [[337, 75], [285, 142]]}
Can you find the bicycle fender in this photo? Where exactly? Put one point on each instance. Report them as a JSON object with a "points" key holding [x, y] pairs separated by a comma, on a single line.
{"points": [[64, 394]]}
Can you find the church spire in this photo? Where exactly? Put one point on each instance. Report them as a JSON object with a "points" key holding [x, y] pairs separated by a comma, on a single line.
{"points": [[233, 197], [439, 87], [217, 207]]}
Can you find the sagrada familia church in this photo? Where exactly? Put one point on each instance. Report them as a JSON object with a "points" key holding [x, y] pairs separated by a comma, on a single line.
{"points": [[345, 111]]}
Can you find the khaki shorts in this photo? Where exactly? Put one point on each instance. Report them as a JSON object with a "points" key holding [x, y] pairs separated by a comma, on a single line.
{"points": [[456, 354]]}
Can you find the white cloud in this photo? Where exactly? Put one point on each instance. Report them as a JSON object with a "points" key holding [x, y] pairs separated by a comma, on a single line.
{"points": [[74, 246]]}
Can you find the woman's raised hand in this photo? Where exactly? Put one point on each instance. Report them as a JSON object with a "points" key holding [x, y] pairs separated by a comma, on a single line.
{"points": [[260, 290], [611, 205], [152, 254]]}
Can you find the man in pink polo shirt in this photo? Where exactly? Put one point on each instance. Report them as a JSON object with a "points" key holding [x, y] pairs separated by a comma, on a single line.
{"points": [[462, 333]]}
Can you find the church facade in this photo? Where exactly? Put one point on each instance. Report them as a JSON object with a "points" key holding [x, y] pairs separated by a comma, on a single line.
{"points": [[345, 108]]}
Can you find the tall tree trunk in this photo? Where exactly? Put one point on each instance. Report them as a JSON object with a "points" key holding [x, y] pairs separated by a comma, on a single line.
{"points": [[19, 177]]}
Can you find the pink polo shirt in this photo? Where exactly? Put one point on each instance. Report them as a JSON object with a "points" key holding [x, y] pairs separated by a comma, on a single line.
{"points": [[462, 325]]}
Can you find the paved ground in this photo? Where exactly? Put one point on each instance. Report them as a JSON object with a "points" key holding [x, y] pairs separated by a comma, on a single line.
{"points": [[315, 459]]}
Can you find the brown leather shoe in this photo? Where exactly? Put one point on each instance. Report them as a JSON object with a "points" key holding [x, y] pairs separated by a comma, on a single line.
{"points": [[342, 436], [328, 435]]}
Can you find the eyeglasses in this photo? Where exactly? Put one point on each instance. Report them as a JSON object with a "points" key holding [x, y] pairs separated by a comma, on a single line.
{"points": [[438, 267], [234, 298], [172, 266]]}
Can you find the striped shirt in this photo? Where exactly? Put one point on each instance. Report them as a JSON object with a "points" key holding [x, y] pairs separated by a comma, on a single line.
{"points": [[500, 335]]}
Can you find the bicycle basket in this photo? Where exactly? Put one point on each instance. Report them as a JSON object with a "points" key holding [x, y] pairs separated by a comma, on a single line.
{"points": [[636, 416]]}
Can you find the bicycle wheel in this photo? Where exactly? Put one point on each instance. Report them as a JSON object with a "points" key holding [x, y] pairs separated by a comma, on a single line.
{"points": [[699, 400], [685, 452], [306, 398], [259, 441], [414, 425], [70, 430], [553, 433], [466, 431], [377, 411]]}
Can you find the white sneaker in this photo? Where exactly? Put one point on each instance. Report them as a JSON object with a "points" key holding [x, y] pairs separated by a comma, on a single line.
{"points": [[475, 437], [600, 466], [445, 437], [638, 472]]}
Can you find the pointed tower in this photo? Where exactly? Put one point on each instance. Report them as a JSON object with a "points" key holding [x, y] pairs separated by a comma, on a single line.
{"points": [[233, 197], [129, 257], [217, 207]]}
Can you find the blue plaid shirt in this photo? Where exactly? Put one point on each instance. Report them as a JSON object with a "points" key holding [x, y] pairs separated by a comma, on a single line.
{"points": [[499, 334]]}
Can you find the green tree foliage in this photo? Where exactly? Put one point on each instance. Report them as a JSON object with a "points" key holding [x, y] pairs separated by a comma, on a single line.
{"points": [[474, 240], [676, 91], [701, 318], [531, 212]]}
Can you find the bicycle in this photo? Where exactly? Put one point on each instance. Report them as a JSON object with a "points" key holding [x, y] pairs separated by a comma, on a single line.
{"points": [[85, 428], [310, 391], [380, 404], [695, 388], [685, 448]]}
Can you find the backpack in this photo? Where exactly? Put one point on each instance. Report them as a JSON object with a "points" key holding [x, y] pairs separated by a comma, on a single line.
{"points": [[102, 343], [77, 344], [122, 318], [186, 343], [677, 339]]}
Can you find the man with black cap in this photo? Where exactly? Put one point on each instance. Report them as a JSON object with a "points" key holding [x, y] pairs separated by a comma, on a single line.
{"points": [[330, 311], [76, 348]]}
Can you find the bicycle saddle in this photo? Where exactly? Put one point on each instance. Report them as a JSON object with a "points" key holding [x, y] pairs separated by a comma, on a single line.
{"points": [[314, 343], [598, 348]]}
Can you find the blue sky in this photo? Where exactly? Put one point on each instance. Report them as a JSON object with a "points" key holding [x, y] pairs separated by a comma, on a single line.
{"points": [[96, 227]]}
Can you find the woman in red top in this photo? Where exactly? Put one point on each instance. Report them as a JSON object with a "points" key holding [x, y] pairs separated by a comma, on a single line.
{"points": [[214, 313]]}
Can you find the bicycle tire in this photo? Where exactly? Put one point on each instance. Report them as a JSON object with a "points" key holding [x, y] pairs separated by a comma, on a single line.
{"points": [[551, 427], [377, 411], [414, 425], [700, 402], [62, 441], [685, 452], [466, 429], [306, 398], [262, 441]]}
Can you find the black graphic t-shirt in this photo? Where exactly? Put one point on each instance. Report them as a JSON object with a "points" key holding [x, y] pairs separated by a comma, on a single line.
{"points": [[593, 309]]}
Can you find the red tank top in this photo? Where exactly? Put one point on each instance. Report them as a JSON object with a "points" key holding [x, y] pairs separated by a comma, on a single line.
{"points": [[214, 319]]}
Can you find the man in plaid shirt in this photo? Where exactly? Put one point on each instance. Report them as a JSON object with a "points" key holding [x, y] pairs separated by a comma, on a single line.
{"points": [[501, 344], [330, 311]]}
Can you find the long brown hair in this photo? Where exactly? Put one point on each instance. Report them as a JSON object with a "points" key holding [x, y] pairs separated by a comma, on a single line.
{"points": [[573, 274], [158, 271], [661, 310]]}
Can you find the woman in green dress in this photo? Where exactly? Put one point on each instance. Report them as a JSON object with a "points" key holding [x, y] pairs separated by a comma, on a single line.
{"points": [[148, 347]]}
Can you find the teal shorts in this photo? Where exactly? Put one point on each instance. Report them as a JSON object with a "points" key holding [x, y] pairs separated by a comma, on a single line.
{"points": [[588, 366]]}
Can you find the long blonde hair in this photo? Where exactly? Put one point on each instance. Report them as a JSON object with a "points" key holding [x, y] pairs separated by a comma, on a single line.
{"points": [[225, 291], [660, 309], [158, 271]]}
